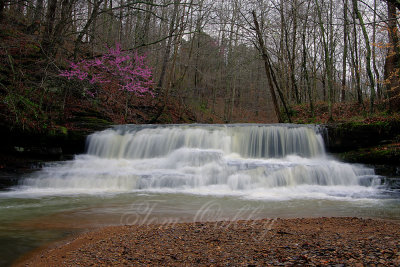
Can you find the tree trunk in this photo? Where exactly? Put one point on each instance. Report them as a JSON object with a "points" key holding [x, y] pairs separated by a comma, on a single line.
{"points": [[354, 55], [293, 61], [282, 65], [392, 64], [168, 47], [281, 95], [368, 56], [143, 26], [189, 56], [378, 84], [49, 27], [63, 24], [230, 84], [291, 51], [266, 65], [328, 61], [332, 91], [344, 63], [110, 25], [86, 28], [307, 78], [308, 91], [120, 26], [167, 52], [89, 12]]}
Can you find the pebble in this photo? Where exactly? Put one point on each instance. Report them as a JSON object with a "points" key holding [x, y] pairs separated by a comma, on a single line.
{"points": [[289, 242]]}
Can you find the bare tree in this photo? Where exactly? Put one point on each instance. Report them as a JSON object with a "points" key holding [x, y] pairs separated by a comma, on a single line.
{"points": [[376, 71], [392, 64], [305, 60], [368, 55], [345, 44], [328, 59], [49, 26], [84, 31], [267, 66]]}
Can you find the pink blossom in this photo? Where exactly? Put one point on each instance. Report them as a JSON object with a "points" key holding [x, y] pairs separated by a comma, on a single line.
{"points": [[123, 68]]}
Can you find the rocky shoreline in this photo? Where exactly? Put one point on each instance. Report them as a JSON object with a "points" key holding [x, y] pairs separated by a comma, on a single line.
{"points": [[267, 242]]}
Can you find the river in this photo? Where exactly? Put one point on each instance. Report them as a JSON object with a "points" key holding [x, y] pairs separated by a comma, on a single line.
{"points": [[140, 174]]}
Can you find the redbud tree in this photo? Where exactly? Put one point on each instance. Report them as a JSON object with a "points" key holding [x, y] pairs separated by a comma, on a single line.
{"points": [[124, 68]]}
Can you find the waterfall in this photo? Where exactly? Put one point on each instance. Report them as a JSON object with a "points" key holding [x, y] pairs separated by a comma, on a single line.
{"points": [[261, 161], [255, 141]]}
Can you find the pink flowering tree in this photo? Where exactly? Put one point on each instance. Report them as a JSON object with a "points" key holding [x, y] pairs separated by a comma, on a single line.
{"points": [[126, 69]]}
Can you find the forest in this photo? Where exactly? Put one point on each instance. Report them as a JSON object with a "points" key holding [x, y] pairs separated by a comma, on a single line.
{"points": [[199, 132], [225, 61]]}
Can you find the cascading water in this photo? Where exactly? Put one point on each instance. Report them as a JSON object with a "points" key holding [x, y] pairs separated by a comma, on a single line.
{"points": [[251, 161], [248, 141], [167, 173]]}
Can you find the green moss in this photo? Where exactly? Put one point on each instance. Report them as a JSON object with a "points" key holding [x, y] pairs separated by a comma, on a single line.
{"points": [[388, 154], [377, 126], [63, 130]]}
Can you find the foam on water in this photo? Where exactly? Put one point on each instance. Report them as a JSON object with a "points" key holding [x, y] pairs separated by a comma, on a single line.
{"points": [[163, 174], [250, 161]]}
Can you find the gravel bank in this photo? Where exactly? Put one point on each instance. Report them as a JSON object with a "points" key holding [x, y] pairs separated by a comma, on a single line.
{"points": [[315, 241]]}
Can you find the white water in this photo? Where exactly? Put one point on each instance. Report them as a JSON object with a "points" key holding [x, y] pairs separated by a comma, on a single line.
{"points": [[266, 162], [161, 174]]}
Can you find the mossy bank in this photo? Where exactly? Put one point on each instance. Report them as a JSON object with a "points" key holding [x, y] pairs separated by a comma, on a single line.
{"points": [[370, 143]]}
